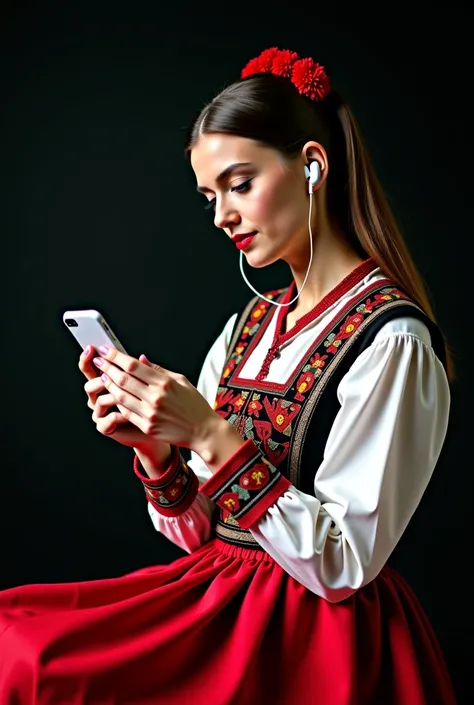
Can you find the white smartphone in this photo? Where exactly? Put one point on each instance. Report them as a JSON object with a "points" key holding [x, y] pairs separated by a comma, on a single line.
{"points": [[89, 327]]}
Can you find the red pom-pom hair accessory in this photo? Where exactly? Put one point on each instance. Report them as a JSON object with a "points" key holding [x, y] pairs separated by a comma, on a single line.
{"points": [[283, 63], [307, 76], [263, 63], [310, 79]]}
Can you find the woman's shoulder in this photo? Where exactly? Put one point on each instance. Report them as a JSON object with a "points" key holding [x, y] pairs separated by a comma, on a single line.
{"points": [[405, 325]]}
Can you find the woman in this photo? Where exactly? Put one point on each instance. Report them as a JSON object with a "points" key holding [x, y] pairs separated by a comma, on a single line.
{"points": [[319, 416]]}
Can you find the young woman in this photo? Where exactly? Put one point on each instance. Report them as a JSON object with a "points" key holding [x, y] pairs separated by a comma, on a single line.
{"points": [[317, 422]]}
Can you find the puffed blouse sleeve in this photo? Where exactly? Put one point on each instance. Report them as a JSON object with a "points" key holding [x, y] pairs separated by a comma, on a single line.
{"points": [[176, 507], [378, 460]]}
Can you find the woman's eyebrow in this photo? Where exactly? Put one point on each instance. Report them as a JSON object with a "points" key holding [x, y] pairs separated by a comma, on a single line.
{"points": [[224, 174]]}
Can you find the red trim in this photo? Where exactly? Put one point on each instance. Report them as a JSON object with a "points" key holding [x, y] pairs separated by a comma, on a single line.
{"points": [[256, 512], [345, 285], [172, 478], [165, 477], [229, 468], [330, 298], [185, 503], [255, 340], [283, 387]]}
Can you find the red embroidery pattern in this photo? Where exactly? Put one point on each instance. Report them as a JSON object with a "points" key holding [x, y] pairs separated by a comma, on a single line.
{"points": [[257, 478], [333, 341], [171, 493], [281, 413], [241, 493], [252, 325], [268, 419]]}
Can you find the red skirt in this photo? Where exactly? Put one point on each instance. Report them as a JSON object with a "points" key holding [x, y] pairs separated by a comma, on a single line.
{"points": [[223, 626]]}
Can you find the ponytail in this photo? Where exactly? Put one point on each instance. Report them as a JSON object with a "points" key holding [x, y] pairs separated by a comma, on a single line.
{"points": [[374, 226]]}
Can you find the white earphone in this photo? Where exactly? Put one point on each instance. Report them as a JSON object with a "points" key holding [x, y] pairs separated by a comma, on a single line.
{"points": [[313, 174]]}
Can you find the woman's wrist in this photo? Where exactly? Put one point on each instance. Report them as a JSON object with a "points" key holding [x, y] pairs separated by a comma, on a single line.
{"points": [[218, 443], [154, 459]]}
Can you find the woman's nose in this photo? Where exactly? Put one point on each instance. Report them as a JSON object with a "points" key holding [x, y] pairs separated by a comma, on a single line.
{"points": [[225, 216]]}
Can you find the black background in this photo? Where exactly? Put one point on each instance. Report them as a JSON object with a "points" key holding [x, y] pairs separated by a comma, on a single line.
{"points": [[99, 210]]}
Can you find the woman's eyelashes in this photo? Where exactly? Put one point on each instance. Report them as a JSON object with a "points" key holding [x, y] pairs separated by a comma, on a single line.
{"points": [[240, 188]]}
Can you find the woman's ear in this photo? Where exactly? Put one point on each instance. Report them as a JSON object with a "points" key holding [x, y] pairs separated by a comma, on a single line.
{"points": [[315, 152]]}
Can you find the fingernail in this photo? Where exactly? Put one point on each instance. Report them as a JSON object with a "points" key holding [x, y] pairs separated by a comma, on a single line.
{"points": [[87, 350], [104, 377], [98, 361], [103, 349]]}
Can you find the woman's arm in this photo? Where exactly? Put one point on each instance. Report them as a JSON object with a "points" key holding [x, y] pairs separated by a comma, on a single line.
{"points": [[378, 460], [186, 521]]}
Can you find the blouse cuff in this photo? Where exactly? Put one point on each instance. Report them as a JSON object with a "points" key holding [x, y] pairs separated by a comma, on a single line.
{"points": [[246, 485], [175, 490]]}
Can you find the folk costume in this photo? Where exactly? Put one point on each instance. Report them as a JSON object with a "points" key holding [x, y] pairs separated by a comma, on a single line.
{"points": [[285, 595]]}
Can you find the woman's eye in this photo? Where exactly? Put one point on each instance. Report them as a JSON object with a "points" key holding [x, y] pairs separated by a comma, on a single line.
{"points": [[240, 188], [243, 187]]}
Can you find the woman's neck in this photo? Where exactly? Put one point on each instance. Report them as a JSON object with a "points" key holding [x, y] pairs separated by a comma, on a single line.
{"points": [[333, 260]]}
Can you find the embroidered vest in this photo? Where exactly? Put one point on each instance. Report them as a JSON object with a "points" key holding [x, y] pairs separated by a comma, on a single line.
{"points": [[290, 422]]}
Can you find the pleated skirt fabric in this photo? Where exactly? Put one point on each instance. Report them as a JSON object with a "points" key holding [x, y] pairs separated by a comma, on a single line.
{"points": [[223, 626]]}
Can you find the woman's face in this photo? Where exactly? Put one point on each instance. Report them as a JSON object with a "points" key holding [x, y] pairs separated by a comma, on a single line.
{"points": [[254, 191]]}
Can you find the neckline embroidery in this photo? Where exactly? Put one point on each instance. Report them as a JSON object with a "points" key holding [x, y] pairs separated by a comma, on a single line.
{"points": [[353, 278]]}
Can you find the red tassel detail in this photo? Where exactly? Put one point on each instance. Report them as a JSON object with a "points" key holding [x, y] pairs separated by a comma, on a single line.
{"points": [[272, 353]]}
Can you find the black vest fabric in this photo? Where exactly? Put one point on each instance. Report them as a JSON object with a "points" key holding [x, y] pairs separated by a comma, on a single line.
{"points": [[290, 423]]}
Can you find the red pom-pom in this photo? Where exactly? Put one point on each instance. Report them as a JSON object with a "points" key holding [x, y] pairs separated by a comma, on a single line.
{"points": [[283, 63], [266, 58], [252, 67], [310, 79], [260, 64]]}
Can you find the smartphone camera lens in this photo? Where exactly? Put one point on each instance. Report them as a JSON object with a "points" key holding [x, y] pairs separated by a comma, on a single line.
{"points": [[71, 323]]}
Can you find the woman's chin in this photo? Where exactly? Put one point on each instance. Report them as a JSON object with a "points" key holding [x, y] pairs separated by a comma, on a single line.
{"points": [[257, 257], [258, 260], [254, 262]]}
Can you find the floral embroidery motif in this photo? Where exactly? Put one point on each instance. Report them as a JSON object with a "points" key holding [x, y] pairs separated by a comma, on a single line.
{"points": [[255, 477], [175, 489], [310, 373], [350, 325], [352, 322], [255, 407], [252, 325], [386, 294], [334, 340], [281, 413], [268, 418], [265, 418]]}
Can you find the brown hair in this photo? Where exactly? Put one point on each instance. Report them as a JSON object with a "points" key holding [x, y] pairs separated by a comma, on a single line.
{"points": [[269, 109]]}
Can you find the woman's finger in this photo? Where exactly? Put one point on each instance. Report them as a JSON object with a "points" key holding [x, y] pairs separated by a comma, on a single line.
{"points": [[125, 398], [139, 369], [122, 379], [174, 375], [93, 388], [108, 424], [145, 425], [102, 405], [85, 362]]}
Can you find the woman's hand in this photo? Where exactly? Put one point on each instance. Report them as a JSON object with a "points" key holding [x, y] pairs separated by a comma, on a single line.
{"points": [[163, 406], [97, 401], [115, 423]]}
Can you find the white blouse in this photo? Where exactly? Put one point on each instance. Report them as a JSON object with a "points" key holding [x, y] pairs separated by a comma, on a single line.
{"points": [[378, 459]]}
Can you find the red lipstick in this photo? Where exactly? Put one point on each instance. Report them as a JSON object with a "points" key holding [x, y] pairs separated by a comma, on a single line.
{"points": [[244, 240]]}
